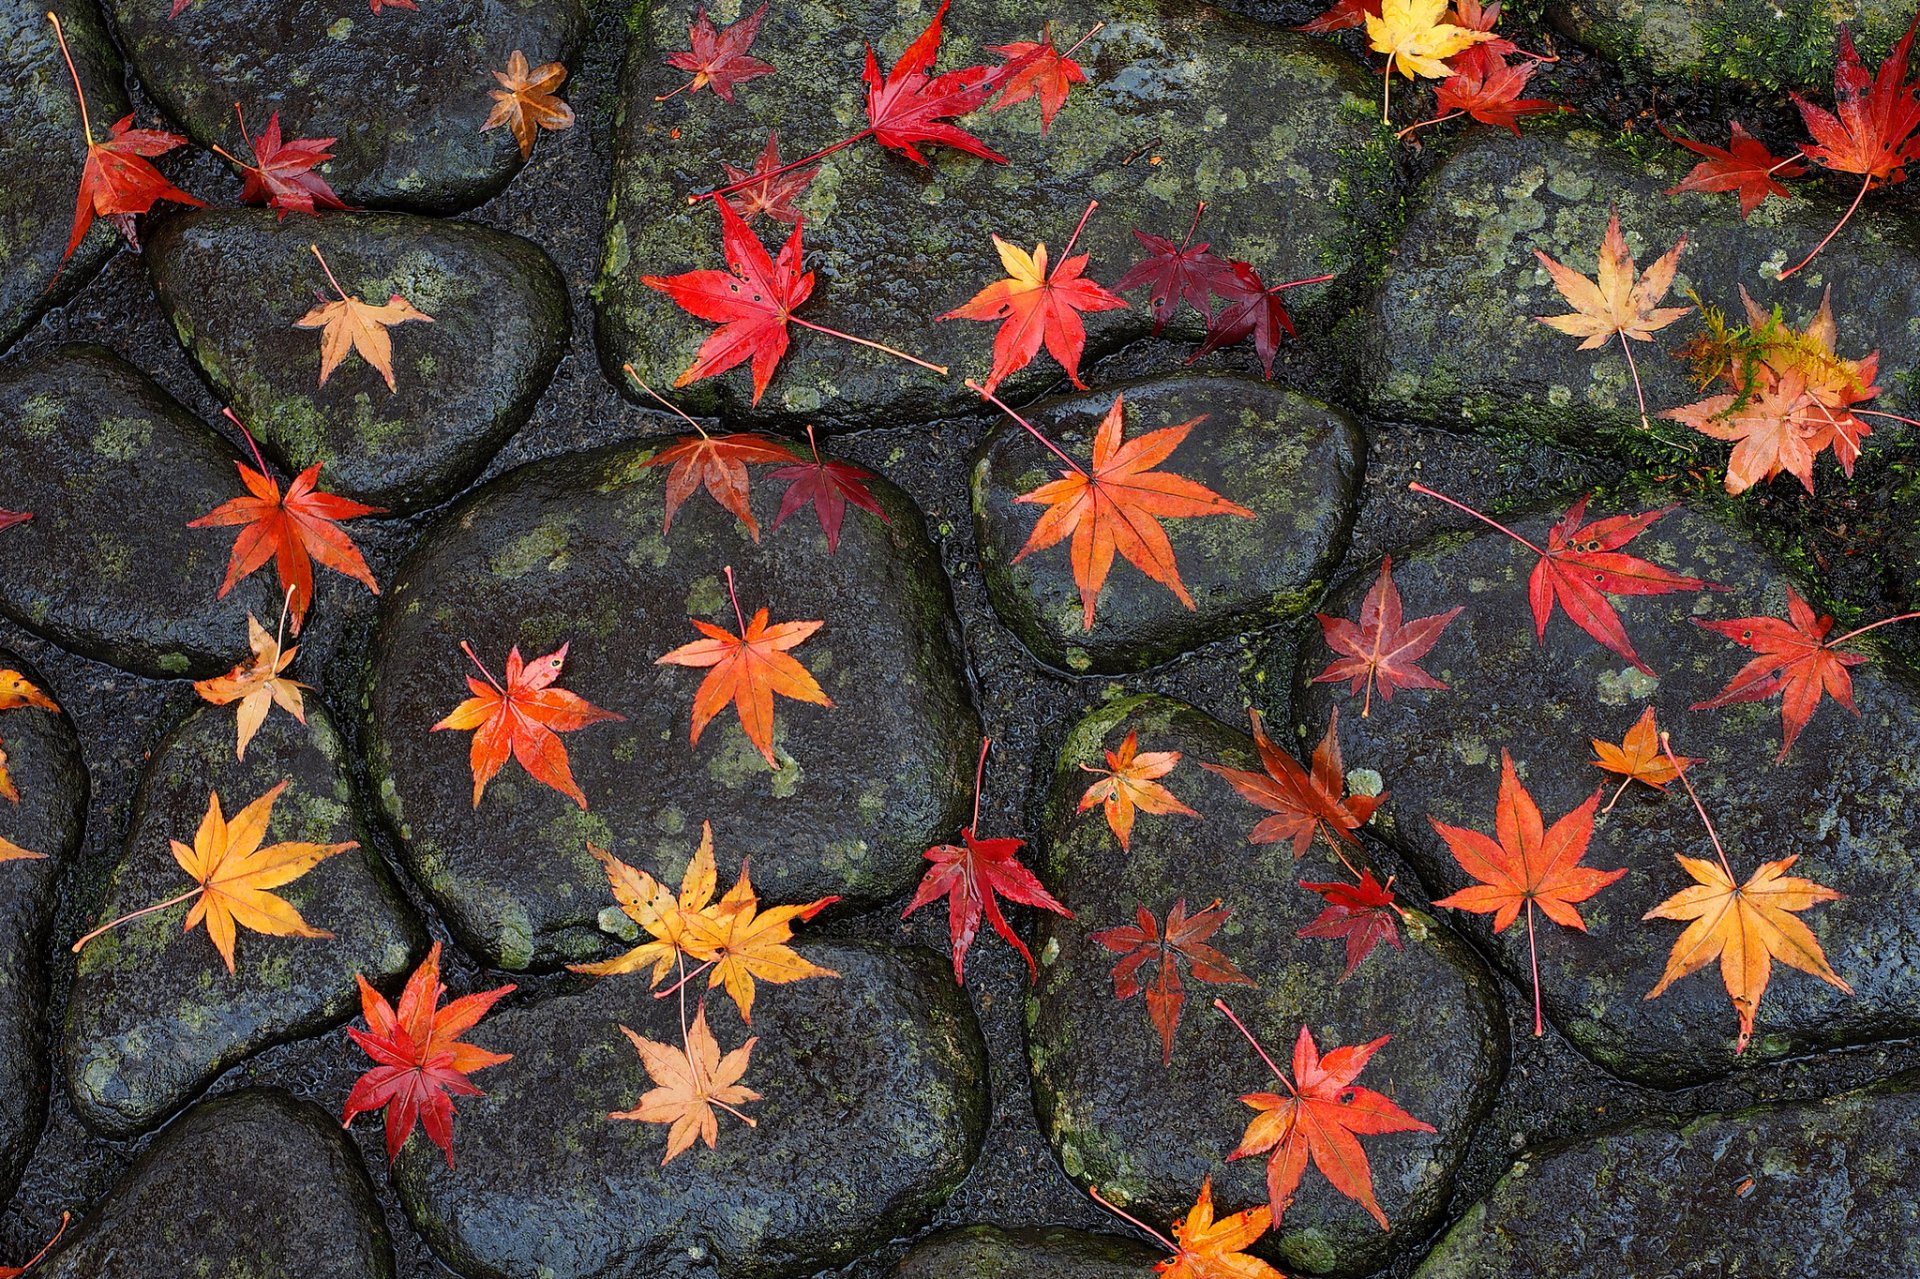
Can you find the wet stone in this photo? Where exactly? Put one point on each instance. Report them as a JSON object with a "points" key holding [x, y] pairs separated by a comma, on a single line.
{"points": [[42, 149], [1769, 44], [318, 65], [1294, 462], [154, 1015], [988, 1252], [1451, 337], [43, 758], [236, 281], [1846, 801], [1289, 152], [873, 1105], [113, 468], [1148, 1134], [571, 552], [1790, 1189], [253, 1183]]}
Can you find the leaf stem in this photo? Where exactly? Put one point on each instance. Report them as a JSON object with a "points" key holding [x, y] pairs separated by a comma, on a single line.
{"points": [[280, 632], [788, 167], [1666, 748], [1533, 958], [1858, 196], [1617, 794], [1066, 252], [1872, 626], [1130, 1219], [1421, 124], [734, 595], [1626, 348], [1194, 225], [229, 414], [65, 1217], [1386, 93], [193, 892], [1294, 284], [979, 780], [685, 977], [1241, 1026], [468, 650], [329, 270], [1418, 487], [1091, 32], [1895, 417], [662, 97], [941, 369], [671, 406], [86, 124], [1032, 430]]}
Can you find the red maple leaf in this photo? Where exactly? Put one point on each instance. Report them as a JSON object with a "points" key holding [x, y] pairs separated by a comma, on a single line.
{"points": [[10, 518], [1303, 804], [1252, 310], [770, 187], [293, 531], [1036, 69], [1176, 273], [1342, 15], [1582, 565], [718, 462], [1382, 649], [827, 486], [282, 175], [523, 717], [1794, 659], [1184, 938], [377, 5], [419, 1059], [718, 59], [1364, 914], [1871, 130], [1487, 87], [973, 875], [1744, 166]]}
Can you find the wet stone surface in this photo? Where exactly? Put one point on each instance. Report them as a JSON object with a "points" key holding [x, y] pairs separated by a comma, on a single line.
{"points": [[1768, 43], [1148, 1134], [571, 552], [1293, 462], [42, 149], [873, 1088], [42, 756], [1296, 186], [322, 67], [112, 469], [988, 1252], [254, 1183], [1786, 1189], [236, 281], [1451, 337], [1846, 800], [154, 1015]]}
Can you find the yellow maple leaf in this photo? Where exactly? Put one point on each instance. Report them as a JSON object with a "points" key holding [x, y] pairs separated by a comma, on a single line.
{"points": [[743, 942], [1417, 40], [17, 691], [691, 1082], [650, 904], [352, 324], [256, 684]]}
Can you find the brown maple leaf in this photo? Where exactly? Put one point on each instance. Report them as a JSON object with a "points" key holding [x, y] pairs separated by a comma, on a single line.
{"points": [[1185, 937], [769, 187], [352, 324], [526, 101], [1131, 781], [258, 684], [1639, 758], [690, 1083], [1303, 803], [1381, 648]]}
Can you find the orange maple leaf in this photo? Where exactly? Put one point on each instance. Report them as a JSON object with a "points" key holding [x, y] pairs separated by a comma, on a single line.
{"points": [[17, 692], [1639, 758], [720, 464], [258, 684], [748, 669], [690, 1082], [1209, 1249], [1130, 781], [525, 101], [1118, 506], [1303, 804], [523, 717], [353, 324], [1529, 866]]}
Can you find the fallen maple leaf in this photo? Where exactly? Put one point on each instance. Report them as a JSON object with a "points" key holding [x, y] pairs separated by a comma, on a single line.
{"points": [[16, 693], [377, 5], [257, 684], [1185, 937], [1342, 15], [1129, 781], [1323, 1115], [1036, 69], [1487, 88], [690, 1082], [282, 175], [1176, 273], [1118, 506], [350, 323], [1744, 166], [974, 875], [1303, 804], [1638, 758], [1252, 310], [10, 518], [1745, 927], [1416, 39], [1529, 865], [718, 59], [293, 531], [1617, 302], [523, 717], [1381, 648], [1794, 659], [1362, 914], [14, 1272], [770, 187], [748, 669], [116, 181], [827, 486], [1034, 306], [527, 101], [740, 942], [1873, 132], [1582, 565], [650, 904], [232, 874], [419, 1059], [719, 464], [1207, 1249]]}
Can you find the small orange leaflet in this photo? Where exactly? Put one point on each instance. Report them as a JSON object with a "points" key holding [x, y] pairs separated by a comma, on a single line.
{"points": [[523, 717], [1118, 506], [690, 1082], [1206, 1248], [352, 324], [748, 669], [1129, 781], [1638, 758]]}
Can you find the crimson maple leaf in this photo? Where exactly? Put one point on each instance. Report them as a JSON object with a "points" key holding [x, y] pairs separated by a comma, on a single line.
{"points": [[1184, 938], [1744, 166], [1382, 649], [10, 518], [1303, 804], [282, 175], [827, 486], [523, 717], [911, 105], [1342, 15], [1036, 69], [1186, 272], [718, 58], [419, 1061], [770, 187], [1487, 87], [1252, 310], [720, 464], [1364, 914], [293, 531]]}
